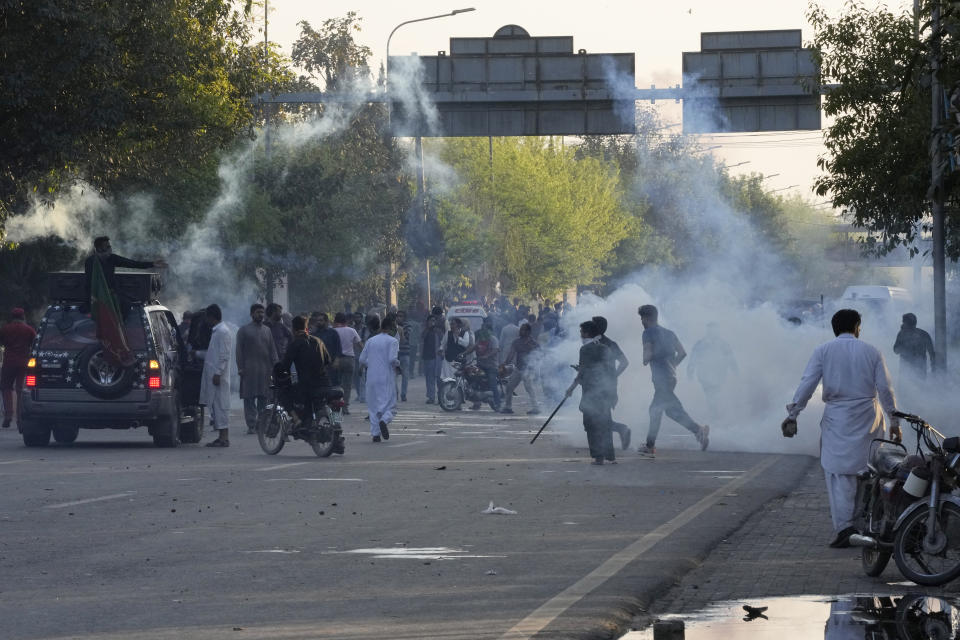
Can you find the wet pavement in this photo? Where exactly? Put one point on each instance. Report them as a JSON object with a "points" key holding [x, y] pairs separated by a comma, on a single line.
{"points": [[779, 558], [851, 617]]}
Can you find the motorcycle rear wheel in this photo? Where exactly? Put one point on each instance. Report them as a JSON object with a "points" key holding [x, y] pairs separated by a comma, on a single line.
{"points": [[923, 567], [874, 561], [450, 397], [323, 449], [272, 431]]}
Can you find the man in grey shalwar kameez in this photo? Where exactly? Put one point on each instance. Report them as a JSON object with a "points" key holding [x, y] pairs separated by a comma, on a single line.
{"points": [[854, 375], [256, 355], [215, 380], [381, 358]]}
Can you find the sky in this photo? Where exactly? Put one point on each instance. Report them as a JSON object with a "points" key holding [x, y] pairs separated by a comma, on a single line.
{"points": [[657, 33]]}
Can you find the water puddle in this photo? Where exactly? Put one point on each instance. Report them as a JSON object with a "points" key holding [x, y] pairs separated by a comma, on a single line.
{"points": [[419, 553], [850, 617]]}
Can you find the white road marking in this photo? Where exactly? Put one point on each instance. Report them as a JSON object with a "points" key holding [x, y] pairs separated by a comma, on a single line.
{"points": [[282, 466], [15, 461], [112, 496], [557, 605], [407, 444], [316, 479], [274, 551]]}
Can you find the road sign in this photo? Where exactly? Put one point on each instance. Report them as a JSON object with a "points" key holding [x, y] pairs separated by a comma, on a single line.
{"points": [[514, 84], [750, 81]]}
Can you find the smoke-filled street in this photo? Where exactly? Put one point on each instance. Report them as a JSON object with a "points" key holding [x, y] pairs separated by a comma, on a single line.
{"points": [[112, 538]]}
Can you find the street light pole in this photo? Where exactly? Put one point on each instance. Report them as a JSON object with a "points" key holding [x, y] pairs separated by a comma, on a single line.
{"points": [[418, 143], [936, 189]]}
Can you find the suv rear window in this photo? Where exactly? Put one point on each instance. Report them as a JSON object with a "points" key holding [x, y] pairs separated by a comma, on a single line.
{"points": [[72, 331]]}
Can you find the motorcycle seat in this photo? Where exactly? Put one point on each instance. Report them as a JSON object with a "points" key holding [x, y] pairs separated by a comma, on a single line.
{"points": [[887, 461]]}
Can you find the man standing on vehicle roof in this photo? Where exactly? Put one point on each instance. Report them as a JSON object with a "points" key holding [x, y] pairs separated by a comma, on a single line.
{"points": [[16, 338], [854, 375], [109, 261], [215, 381], [256, 355]]}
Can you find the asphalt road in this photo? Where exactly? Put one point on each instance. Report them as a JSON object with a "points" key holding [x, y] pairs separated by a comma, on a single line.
{"points": [[112, 538]]}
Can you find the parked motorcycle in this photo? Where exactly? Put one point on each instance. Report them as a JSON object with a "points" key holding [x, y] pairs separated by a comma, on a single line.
{"points": [[279, 420], [905, 507], [469, 382]]}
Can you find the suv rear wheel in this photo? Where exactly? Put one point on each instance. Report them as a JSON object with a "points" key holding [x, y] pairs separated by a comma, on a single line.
{"points": [[35, 433], [192, 432], [65, 435], [166, 433]]}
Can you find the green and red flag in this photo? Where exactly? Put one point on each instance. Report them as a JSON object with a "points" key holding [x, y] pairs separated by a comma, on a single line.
{"points": [[105, 309]]}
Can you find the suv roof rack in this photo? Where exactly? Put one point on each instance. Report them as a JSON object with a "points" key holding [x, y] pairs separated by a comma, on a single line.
{"points": [[135, 286]]}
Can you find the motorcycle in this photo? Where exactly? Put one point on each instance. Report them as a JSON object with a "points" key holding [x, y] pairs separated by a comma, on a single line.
{"points": [[905, 507], [469, 382], [908, 617], [279, 420]]}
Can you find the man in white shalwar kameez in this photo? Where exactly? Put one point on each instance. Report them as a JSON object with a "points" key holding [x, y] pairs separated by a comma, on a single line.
{"points": [[381, 358], [854, 375], [215, 381]]}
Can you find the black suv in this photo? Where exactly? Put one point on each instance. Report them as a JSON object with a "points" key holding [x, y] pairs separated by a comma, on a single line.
{"points": [[70, 384]]}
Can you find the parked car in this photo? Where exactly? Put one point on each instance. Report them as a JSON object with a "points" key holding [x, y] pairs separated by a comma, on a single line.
{"points": [[71, 385]]}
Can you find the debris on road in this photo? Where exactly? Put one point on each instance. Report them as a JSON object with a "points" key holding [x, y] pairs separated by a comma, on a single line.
{"points": [[498, 510], [443, 468], [491, 572]]}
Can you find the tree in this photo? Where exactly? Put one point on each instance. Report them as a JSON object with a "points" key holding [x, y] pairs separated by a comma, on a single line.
{"points": [[877, 165], [330, 55], [120, 94], [548, 220]]}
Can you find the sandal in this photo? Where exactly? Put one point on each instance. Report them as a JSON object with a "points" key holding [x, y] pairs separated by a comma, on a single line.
{"points": [[218, 443]]}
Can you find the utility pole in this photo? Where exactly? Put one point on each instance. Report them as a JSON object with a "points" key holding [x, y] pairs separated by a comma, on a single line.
{"points": [[937, 195], [269, 275]]}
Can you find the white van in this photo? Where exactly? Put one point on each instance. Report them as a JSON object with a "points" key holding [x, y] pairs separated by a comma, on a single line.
{"points": [[473, 314], [888, 302]]}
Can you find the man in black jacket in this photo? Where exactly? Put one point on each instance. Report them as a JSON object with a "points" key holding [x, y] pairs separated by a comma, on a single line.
{"points": [[109, 261], [596, 372], [311, 358]]}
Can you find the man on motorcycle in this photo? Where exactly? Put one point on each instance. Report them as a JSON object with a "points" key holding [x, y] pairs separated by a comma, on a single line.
{"points": [[854, 375], [311, 359], [487, 348]]}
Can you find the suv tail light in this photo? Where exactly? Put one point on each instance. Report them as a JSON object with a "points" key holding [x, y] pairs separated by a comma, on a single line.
{"points": [[154, 382], [30, 380]]}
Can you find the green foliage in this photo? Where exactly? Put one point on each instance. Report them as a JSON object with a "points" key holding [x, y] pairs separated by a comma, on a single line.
{"points": [[121, 94], [330, 54], [537, 218], [25, 267], [877, 164]]}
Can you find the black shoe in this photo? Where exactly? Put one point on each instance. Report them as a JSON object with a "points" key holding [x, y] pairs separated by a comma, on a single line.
{"points": [[384, 431], [251, 431], [429, 401], [625, 439], [376, 438], [6, 423], [506, 410], [403, 398], [842, 539]]}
